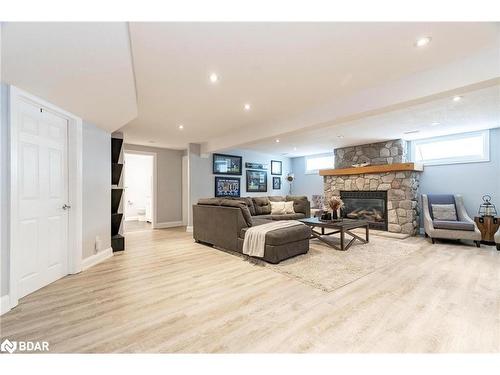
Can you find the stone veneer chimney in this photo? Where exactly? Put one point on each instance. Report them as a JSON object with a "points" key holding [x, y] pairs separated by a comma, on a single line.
{"points": [[402, 187]]}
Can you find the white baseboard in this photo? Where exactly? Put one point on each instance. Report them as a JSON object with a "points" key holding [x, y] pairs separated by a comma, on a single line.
{"points": [[96, 258], [132, 218], [168, 224], [189, 228], [4, 304]]}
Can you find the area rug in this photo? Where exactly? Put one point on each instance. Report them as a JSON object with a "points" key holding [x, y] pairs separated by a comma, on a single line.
{"points": [[328, 269]]}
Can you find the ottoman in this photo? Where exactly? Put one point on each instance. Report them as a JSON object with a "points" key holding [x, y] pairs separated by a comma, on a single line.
{"points": [[283, 243]]}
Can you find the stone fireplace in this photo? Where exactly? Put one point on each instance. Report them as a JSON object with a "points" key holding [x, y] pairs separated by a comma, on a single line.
{"points": [[385, 192]]}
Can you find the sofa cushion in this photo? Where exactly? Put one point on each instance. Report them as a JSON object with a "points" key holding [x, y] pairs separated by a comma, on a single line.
{"points": [[276, 198], [242, 206], [300, 202], [249, 203], [277, 208], [262, 205], [445, 212], [210, 201], [289, 208], [284, 235], [453, 225], [294, 216]]}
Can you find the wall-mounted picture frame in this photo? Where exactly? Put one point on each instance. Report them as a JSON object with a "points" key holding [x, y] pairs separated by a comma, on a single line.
{"points": [[227, 187], [256, 181], [276, 167], [256, 166], [227, 164], [276, 183]]}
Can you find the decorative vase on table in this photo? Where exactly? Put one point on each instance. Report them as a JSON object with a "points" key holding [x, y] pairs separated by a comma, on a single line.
{"points": [[335, 204]]}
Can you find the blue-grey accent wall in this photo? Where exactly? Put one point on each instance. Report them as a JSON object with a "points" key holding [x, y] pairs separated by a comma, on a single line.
{"points": [[472, 180], [305, 184]]}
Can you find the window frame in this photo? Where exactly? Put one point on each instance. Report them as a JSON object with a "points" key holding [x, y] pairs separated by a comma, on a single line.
{"points": [[485, 134], [316, 156]]}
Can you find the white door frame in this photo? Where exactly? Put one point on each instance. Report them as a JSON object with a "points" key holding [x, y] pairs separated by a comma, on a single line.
{"points": [[75, 181], [155, 188]]}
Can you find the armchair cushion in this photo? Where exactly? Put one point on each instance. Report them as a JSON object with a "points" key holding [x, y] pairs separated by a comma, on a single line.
{"points": [[446, 212], [453, 225], [440, 199]]}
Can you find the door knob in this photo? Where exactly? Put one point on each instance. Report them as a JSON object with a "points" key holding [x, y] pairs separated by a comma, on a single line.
{"points": [[65, 207]]}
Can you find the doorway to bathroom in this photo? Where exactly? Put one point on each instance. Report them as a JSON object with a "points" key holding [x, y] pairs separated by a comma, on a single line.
{"points": [[139, 178]]}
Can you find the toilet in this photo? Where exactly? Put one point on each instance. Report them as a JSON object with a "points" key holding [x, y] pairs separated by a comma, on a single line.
{"points": [[141, 214]]}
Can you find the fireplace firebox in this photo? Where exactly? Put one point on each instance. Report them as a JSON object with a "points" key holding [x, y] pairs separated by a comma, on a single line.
{"points": [[366, 205]]}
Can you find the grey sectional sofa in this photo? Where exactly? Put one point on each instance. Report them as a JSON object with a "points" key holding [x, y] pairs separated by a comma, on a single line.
{"points": [[223, 222]]}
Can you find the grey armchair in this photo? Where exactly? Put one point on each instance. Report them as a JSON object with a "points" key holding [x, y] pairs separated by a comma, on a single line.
{"points": [[461, 228], [497, 239]]}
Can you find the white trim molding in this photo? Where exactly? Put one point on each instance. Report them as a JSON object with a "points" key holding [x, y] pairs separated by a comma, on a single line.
{"points": [[168, 224], [5, 304], [189, 229], [92, 260]]}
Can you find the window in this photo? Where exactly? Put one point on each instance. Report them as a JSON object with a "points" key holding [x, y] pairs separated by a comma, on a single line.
{"points": [[458, 148], [316, 162]]}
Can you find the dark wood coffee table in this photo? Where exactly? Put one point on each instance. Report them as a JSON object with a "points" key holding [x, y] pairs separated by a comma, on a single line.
{"points": [[343, 227]]}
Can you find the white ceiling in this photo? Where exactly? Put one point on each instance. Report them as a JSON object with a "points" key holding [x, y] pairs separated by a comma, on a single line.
{"points": [[147, 78], [478, 110], [282, 69], [84, 68]]}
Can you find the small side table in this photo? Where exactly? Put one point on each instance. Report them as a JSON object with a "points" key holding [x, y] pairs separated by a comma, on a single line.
{"points": [[488, 226]]}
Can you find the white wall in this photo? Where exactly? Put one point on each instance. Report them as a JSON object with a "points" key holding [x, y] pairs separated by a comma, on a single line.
{"points": [[168, 182], [138, 183], [96, 189]]}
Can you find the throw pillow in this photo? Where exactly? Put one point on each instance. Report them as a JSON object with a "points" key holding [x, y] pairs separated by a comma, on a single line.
{"points": [[444, 212], [277, 208], [289, 208]]}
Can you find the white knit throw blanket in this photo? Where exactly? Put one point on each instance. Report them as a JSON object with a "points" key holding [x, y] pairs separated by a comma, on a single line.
{"points": [[254, 243]]}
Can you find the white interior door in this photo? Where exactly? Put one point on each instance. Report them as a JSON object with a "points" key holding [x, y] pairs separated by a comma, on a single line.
{"points": [[42, 179]]}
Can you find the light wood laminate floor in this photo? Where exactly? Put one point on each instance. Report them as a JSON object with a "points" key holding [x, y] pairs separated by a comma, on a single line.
{"points": [[166, 293]]}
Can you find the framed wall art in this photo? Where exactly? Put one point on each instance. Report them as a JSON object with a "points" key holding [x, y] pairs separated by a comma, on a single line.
{"points": [[276, 167], [276, 183], [227, 164], [256, 181], [227, 187]]}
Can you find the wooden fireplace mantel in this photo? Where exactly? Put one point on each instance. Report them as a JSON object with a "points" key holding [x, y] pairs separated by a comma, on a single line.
{"points": [[384, 168]]}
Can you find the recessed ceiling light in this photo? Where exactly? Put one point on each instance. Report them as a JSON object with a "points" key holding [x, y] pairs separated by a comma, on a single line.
{"points": [[422, 42], [214, 78], [277, 141], [435, 123], [457, 98], [247, 107], [340, 136], [295, 149], [181, 127]]}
